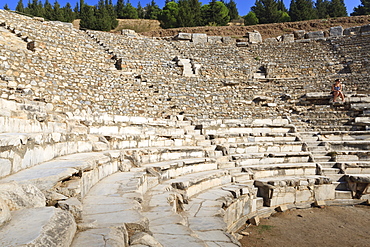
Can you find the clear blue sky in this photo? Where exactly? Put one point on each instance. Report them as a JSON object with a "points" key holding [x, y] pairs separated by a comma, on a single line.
{"points": [[242, 5]]}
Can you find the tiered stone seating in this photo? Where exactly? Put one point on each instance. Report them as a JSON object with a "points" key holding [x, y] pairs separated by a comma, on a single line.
{"points": [[147, 156]]}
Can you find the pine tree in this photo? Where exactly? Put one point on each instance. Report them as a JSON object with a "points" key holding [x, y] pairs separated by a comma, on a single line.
{"points": [[152, 11], [20, 6], [189, 13], [76, 11], [281, 6], [233, 11], [130, 12], [363, 9], [337, 8], [57, 12], [87, 17], [301, 10], [68, 15], [266, 11], [140, 11], [6, 7], [119, 8], [48, 10], [169, 15], [250, 19], [215, 13], [322, 8]]}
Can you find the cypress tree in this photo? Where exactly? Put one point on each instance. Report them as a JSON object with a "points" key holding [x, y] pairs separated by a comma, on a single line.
{"points": [[363, 9], [76, 11], [68, 15], [57, 12], [87, 17]]}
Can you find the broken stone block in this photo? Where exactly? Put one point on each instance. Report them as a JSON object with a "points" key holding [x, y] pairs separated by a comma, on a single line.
{"points": [[183, 36], [254, 37], [42, 226], [18, 196], [336, 31], [199, 38], [282, 208], [288, 38], [73, 205], [299, 34], [255, 221], [144, 239], [315, 35], [352, 30], [4, 212], [227, 40], [214, 39], [365, 29]]}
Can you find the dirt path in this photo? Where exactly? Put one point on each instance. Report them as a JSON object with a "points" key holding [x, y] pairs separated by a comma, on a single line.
{"points": [[329, 227]]}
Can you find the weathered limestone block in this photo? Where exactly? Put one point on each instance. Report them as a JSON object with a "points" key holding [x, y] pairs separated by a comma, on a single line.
{"points": [[73, 205], [199, 38], [21, 196], [5, 167], [271, 40], [254, 37], [299, 34], [315, 35], [352, 30], [241, 44], [214, 39], [5, 215], [144, 239], [227, 40], [183, 36], [42, 226], [324, 192], [288, 38], [112, 236], [365, 29], [336, 31]]}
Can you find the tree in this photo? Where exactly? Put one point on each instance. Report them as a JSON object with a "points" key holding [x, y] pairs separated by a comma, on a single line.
{"points": [[215, 13], [281, 6], [48, 10], [337, 8], [87, 17], [169, 15], [322, 8], [266, 11], [119, 8], [152, 11], [233, 11], [20, 6], [34, 8], [76, 11], [250, 19], [363, 9], [6, 7], [301, 10], [140, 11], [57, 12], [68, 15], [189, 13], [130, 12]]}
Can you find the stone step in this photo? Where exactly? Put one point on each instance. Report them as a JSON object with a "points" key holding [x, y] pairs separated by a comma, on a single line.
{"points": [[40, 226], [70, 175], [288, 169], [339, 194], [328, 171], [113, 206]]}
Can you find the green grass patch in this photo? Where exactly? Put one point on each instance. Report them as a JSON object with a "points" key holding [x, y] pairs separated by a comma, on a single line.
{"points": [[264, 228]]}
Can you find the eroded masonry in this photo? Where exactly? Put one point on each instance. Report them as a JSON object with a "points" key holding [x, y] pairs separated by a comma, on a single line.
{"points": [[125, 140]]}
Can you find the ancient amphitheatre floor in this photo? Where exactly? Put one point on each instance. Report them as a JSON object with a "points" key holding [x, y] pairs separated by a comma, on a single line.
{"points": [[329, 227]]}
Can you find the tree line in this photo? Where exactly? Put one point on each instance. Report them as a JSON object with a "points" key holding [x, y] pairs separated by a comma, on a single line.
{"points": [[187, 13]]}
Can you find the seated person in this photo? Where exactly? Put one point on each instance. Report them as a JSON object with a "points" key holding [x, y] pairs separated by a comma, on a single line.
{"points": [[337, 90]]}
